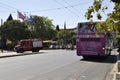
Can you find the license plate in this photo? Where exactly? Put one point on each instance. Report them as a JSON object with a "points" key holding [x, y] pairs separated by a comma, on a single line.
{"points": [[89, 49]]}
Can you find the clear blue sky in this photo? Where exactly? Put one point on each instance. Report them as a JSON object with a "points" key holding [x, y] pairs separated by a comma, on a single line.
{"points": [[60, 11]]}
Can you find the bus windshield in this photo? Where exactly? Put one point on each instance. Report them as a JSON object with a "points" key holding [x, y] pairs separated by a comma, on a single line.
{"points": [[86, 27]]}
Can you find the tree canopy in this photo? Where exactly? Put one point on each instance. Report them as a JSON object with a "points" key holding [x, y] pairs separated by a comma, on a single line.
{"points": [[95, 8], [43, 28], [14, 30], [66, 36], [39, 28], [113, 19]]}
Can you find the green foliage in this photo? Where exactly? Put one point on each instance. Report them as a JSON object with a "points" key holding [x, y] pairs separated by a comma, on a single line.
{"points": [[105, 26], [114, 17], [57, 28], [113, 21], [89, 13], [95, 8], [115, 13], [63, 34], [14, 30], [99, 16], [117, 40], [67, 36], [10, 17], [97, 5], [43, 28]]}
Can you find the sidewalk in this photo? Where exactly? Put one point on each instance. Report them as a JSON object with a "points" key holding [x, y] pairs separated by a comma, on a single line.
{"points": [[116, 68], [6, 54]]}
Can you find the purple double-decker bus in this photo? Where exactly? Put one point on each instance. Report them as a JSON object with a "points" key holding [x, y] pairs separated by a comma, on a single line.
{"points": [[91, 42]]}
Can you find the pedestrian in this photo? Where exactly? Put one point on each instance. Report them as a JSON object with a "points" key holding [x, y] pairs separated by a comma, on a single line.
{"points": [[72, 47]]}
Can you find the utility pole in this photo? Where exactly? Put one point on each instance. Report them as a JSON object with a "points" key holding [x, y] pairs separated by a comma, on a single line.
{"points": [[1, 37]]}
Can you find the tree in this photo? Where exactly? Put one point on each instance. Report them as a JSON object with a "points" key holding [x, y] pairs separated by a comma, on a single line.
{"points": [[104, 27], [14, 30], [43, 28], [57, 28], [66, 36], [112, 23], [10, 17], [113, 18], [73, 37], [95, 8], [98, 7]]}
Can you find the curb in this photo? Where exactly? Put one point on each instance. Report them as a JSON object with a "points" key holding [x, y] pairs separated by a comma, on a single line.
{"points": [[115, 67], [118, 71], [115, 71], [19, 54]]}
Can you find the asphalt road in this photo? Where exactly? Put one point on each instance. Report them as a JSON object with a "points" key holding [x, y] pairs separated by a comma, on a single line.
{"points": [[56, 65]]}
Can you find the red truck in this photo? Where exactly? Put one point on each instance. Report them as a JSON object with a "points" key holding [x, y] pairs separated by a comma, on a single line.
{"points": [[33, 45]]}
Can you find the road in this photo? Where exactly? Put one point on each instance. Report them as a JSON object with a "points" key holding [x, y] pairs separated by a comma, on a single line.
{"points": [[56, 65]]}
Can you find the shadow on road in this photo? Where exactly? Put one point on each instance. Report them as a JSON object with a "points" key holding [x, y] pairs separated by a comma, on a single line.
{"points": [[108, 59]]}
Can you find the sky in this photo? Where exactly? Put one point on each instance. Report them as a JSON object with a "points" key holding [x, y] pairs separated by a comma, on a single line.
{"points": [[70, 12]]}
